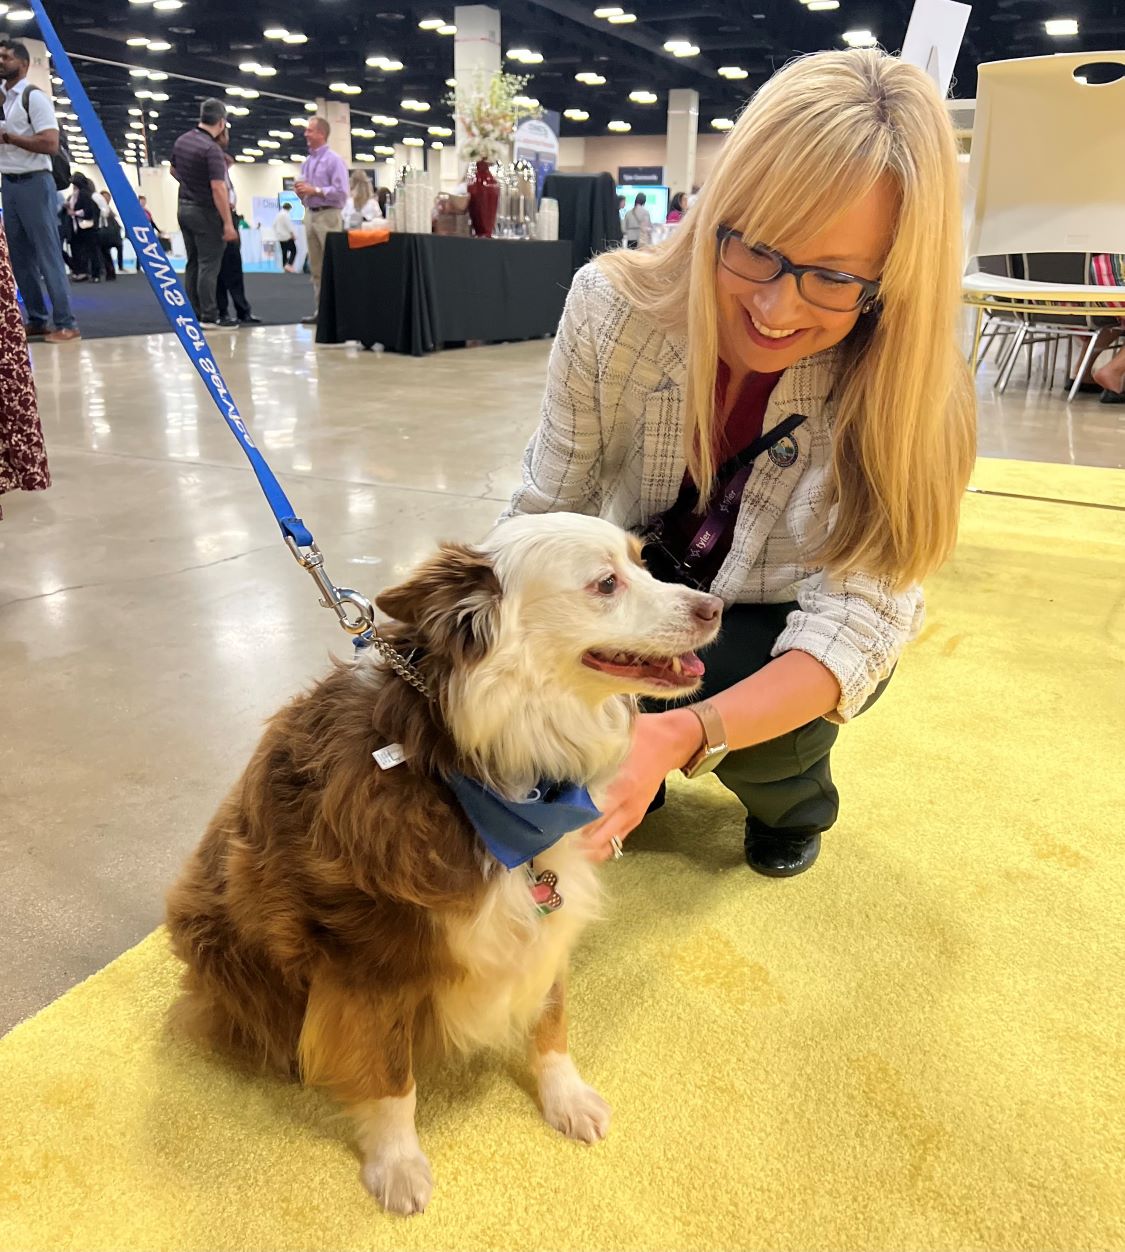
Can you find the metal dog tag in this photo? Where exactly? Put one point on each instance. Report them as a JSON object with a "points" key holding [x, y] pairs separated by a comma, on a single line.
{"points": [[390, 756]]}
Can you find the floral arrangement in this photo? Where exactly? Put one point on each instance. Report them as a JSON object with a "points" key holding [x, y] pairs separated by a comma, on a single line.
{"points": [[490, 107]]}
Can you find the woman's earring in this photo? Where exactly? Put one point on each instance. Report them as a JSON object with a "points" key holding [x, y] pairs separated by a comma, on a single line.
{"points": [[869, 307]]}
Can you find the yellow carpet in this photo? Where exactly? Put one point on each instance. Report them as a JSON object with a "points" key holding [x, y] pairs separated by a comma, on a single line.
{"points": [[917, 1045]]}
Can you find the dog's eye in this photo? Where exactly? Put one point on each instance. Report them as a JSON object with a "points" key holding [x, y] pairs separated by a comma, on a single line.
{"points": [[607, 586]]}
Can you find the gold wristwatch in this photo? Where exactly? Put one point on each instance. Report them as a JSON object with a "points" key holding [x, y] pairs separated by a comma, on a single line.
{"points": [[714, 740]]}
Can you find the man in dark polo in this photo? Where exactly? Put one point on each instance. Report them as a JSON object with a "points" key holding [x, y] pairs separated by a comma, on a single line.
{"points": [[204, 209]]}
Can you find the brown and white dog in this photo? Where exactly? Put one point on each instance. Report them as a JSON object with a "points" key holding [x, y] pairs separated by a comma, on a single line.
{"points": [[340, 921]]}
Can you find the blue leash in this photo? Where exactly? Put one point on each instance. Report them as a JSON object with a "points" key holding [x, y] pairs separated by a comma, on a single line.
{"points": [[173, 301]]}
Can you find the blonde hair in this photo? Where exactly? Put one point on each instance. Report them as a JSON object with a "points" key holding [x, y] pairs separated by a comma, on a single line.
{"points": [[815, 139], [360, 187]]}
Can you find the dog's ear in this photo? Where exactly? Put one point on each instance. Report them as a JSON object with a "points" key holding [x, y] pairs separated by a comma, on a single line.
{"points": [[453, 600]]}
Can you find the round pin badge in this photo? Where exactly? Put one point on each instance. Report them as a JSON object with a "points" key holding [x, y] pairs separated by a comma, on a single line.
{"points": [[784, 452]]}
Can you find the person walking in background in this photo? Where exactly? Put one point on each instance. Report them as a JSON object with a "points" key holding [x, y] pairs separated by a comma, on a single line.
{"points": [[638, 223], [204, 208], [232, 284], [87, 218], [362, 206], [110, 235], [323, 188], [678, 207], [30, 137], [286, 234], [23, 455]]}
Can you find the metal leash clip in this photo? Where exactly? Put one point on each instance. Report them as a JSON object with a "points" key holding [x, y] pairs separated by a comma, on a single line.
{"points": [[336, 598]]}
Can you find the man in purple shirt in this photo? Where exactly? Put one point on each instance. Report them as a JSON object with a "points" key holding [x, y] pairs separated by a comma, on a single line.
{"points": [[323, 188]]}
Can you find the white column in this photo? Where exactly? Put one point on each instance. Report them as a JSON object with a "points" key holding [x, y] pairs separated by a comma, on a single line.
{"points": [[683, 128], [338, 114], [38, 72], [476, 48]]}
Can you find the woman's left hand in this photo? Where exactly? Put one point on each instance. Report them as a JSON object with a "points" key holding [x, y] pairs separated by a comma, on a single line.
{"points": [[662, 742]]}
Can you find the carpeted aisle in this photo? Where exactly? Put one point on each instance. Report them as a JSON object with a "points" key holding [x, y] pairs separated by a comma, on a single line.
{"points": [[917, 1045]]}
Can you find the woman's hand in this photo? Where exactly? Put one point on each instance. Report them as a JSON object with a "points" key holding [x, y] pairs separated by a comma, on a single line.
{"points": [[662, 742]]}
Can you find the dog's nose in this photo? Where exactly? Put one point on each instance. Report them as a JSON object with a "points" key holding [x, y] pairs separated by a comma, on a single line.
{"points": [[708, 608]]}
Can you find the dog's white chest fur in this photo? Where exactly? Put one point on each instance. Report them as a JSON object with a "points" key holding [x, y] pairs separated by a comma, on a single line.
{"points": [[510, 954]]}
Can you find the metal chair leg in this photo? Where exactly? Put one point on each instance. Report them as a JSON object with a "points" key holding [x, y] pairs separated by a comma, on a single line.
{"points": [[1092, 349], [1013, 356]]}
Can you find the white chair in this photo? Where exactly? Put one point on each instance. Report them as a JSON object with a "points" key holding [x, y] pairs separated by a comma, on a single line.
{"points": [[1039, 182]]}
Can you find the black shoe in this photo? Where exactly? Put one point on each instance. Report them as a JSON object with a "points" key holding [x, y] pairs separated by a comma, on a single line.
{"points": [[249, 320], [228, 323], [1113, 397], [1084, 388], [780, 853]]}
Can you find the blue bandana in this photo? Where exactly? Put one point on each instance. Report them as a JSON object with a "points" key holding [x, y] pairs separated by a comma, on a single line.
{"points": [[515, 831]]}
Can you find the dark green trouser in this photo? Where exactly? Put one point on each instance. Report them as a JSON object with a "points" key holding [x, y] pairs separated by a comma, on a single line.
{"points": [[784, 783]]}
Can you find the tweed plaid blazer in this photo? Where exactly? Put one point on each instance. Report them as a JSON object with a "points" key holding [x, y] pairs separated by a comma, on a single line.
{"points": [[610, 442]]}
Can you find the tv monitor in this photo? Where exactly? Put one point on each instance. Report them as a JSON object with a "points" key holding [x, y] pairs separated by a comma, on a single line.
{"points": [[656, 201]]}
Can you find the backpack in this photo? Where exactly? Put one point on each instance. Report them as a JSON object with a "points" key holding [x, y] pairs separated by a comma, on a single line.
{"points": [[60, 160]]}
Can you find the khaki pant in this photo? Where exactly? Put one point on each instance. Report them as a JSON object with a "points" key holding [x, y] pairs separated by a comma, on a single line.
{"points": [[318, 222]]}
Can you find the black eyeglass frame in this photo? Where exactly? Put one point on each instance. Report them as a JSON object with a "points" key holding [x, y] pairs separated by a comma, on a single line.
{"points": [[869, 286]]}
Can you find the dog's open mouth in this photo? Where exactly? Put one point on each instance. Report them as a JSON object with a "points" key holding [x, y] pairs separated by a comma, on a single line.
{"points": [[666, 671]]}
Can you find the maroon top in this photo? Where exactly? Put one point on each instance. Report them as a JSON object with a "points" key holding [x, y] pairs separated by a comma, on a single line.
{"points": [[742, 427]]}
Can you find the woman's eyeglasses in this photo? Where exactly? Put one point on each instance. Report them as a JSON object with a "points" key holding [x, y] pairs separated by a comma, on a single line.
{"points": [[827, 289]]}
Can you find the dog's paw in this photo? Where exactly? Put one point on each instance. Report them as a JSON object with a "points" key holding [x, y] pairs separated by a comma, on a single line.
{"points": [[401, 1184], [570, 1105]]}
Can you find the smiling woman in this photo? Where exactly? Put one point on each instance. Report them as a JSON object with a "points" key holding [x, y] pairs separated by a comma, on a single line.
{"points": [[775, 396]]}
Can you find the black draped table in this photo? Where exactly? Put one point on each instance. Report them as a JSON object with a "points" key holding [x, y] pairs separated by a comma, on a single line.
{"points": [[417, 293]]}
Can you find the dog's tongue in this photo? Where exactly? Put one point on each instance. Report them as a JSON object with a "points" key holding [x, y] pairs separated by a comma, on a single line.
{"points": [[692, 665]]}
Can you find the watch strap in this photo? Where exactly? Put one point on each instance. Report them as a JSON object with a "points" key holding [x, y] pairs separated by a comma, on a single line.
{"points": [[714, 732]]}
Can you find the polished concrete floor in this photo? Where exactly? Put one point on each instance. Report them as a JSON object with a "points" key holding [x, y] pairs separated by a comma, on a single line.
{"points": [[151, 618]]}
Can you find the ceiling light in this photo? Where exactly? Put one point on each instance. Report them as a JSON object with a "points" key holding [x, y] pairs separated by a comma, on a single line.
{"points": [[62, 99], [345, 89], [253, 151], [431, 23], [683, 49], [822, 6], [246, 160], [589, 78], [733, 71], [384, 63], [136, 112], [437, 143], [159, 45], [576, 115], [359, 132], [1056, 26], [137, 41], [168, 5], [19, 15], [451, 82], [412, 141], [297, 158], [275, 32], [137, 124], [526, 56], [364, 156], [153, 126], [722, 123], [447, 30], [298, 121], [310, 107], [160, 95], [296, 37], [612, 11], [416, 106], [643, 97], [623, 19], [384, 150], [380, 120], [239, 110], [157, 75], [525, 102], [620, 126], [276, 161], [442, 132], [137, 72], [859, 39], [143, 94], [268, 143]]}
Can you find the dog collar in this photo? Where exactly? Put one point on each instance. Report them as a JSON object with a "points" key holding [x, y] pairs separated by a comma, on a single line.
{"points": [[516, 831]]}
